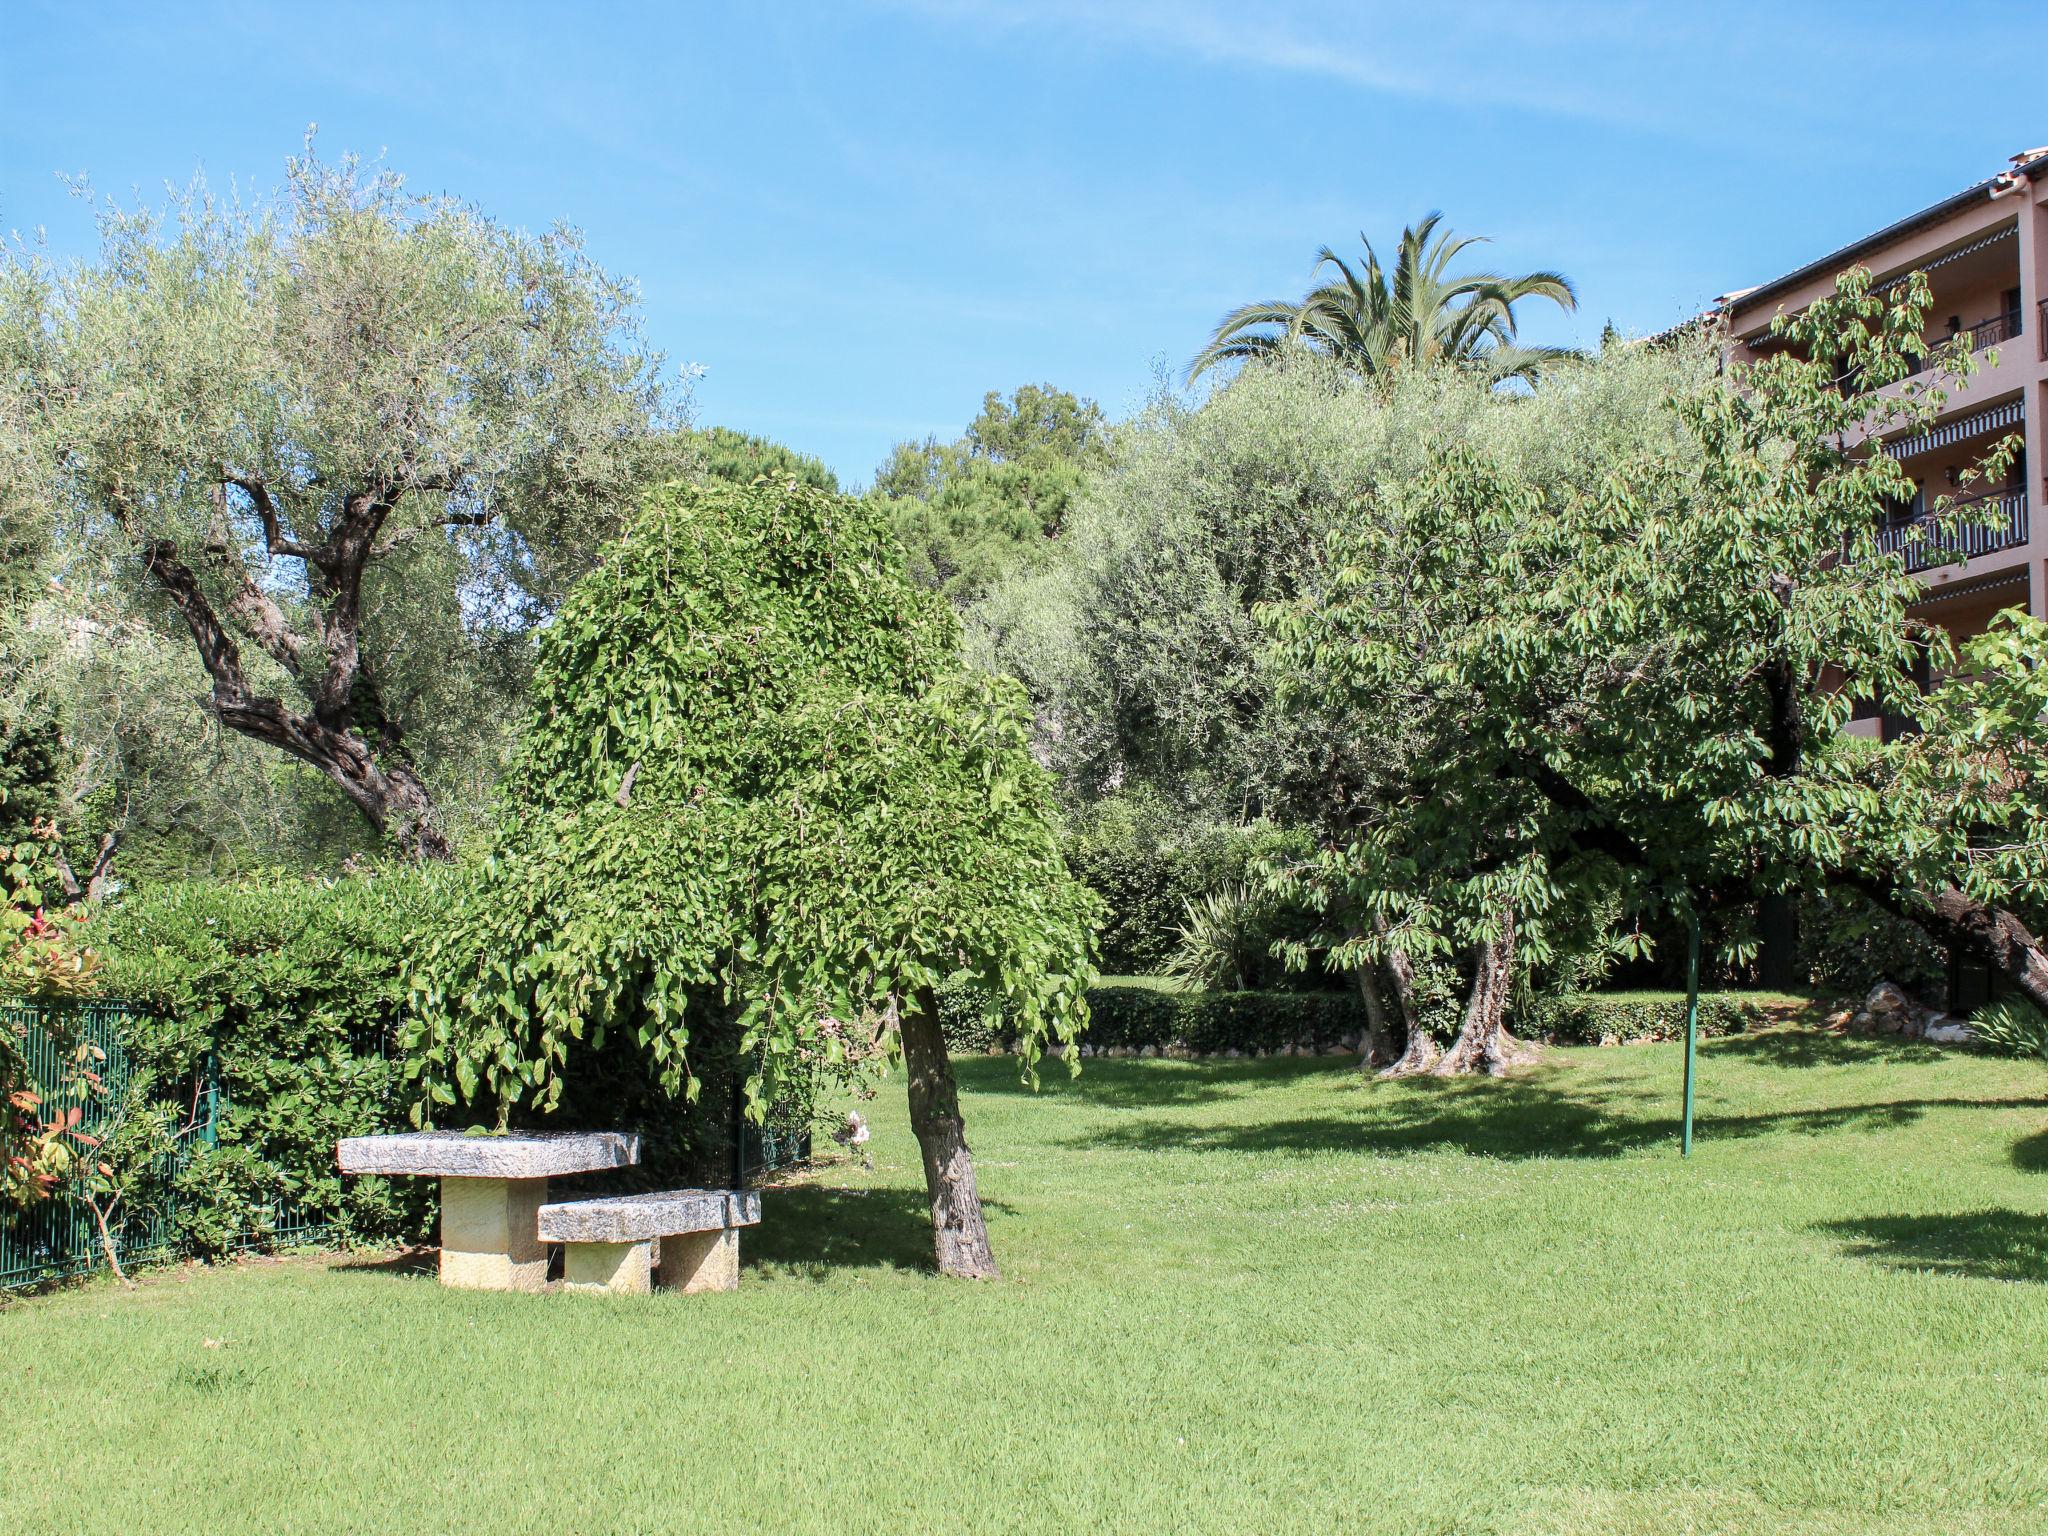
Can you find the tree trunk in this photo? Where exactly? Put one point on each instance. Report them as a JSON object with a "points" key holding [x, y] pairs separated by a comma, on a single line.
{"points": [[959, 1231], [1483, 1043], [1378, 1047], [1952, 917], [1419, 1053], [347, 735]]}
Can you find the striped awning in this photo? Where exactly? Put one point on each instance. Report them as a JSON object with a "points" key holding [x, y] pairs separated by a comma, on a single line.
{"points": [[1982, 243], [2011, 413]]}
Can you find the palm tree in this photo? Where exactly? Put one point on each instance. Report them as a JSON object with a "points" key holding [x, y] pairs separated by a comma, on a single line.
{"points": [[1421, 313]]}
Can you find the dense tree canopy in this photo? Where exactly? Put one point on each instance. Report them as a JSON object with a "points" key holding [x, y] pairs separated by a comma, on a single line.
{"points": [[1636, 683], [970, 511], [352, 437], [758, 785], [726, 453]]}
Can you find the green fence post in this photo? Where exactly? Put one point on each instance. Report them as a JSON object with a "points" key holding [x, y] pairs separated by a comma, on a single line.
{"points": [[1692, 1021]]}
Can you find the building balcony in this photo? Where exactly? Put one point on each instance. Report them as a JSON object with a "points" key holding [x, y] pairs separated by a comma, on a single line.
{"points": [[1980, 525]]}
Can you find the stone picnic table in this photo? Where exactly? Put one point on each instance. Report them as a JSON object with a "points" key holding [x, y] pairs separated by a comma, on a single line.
{"points": [[492, 1189]]}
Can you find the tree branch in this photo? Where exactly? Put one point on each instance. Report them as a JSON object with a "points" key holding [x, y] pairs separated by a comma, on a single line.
{"points": [[258, 493], [453, 520]]}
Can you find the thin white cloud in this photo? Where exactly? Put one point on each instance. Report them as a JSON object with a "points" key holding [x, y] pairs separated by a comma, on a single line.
{"points": [[1610, 62]]}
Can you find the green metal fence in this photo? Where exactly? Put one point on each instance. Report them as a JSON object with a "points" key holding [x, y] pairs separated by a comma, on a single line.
{"points": [[59, 1236]]}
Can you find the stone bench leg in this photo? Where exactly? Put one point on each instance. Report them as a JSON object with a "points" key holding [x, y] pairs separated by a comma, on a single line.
{"points": [[624, 1269], [490, 1234], [701, 1261]]}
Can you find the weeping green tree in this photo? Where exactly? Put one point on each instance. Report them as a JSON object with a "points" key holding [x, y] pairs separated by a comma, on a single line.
{"points": [[1420, 311], [759, 789]]}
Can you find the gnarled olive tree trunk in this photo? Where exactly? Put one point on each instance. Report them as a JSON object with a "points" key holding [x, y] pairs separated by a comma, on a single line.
{"points": [[959, 1231]]}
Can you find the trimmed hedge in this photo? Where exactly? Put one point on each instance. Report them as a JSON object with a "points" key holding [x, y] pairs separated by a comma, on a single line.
{"points": [[1138, 1013], [296, 990], [1613, 1018], [1213, 1023]]}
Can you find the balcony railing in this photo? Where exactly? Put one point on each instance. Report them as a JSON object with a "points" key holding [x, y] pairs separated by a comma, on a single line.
{"points": [[1981, 525], [1992, 331]]}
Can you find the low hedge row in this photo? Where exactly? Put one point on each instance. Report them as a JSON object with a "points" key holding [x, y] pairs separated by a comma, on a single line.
{"points": [[1614, 1018], [1134, 1016]]}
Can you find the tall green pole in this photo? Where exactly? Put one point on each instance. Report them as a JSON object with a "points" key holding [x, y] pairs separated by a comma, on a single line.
{"points": [[1692, 1020]]}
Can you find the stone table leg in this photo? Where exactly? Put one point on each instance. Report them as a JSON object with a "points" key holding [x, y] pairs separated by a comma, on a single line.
{"points": [[701, 1261], [621, 1268], [490, 1234]]}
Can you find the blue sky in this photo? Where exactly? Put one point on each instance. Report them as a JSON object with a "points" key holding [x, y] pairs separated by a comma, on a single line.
{"points": [[856, 218]]}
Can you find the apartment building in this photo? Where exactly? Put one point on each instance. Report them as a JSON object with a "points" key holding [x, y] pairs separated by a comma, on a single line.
{"points": [[1985, 254]]}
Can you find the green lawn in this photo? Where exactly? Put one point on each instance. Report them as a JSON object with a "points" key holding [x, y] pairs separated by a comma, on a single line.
{"points": [[1243, 1297]]}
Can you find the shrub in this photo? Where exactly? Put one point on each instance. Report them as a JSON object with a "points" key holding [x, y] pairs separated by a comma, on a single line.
{"points": [[2011, 1026], [1211, 1023], [1847, 945], [295, 990], [1223, 940], [1152, 870], [1608, 1018]]}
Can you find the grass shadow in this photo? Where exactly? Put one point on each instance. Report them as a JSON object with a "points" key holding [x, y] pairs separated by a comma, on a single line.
{"points": [[2030, 1153], [1819, 1048], [812, 1231], [1120, 1084], [1991, 1244], [1548, 1111], [422, 1260]]}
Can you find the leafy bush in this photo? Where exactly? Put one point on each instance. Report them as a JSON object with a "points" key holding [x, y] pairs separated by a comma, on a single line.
{"points": [[2011, 1026], [1847, 945], [1608, 1018], [295, 990], [1150, 868], [1223, 940]]}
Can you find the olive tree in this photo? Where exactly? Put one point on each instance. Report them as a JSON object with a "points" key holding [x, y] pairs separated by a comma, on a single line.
{"points": [[758, 788], [316, 426]]}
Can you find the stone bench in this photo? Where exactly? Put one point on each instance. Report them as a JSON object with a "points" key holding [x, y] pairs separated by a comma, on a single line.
{"points": [[492, 1188], [611, 1244]]}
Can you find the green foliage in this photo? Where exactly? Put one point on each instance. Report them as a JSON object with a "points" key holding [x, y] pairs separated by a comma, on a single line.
{"points": [[2011, 1026], [726, 453], [1147, 864], [1847, 944], [296, 991], [971, 511], [757, 790], [1211, 1023], [1418, 315], [1619, 1018], [1222, 941], [347, 442], [1626, 687]]}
